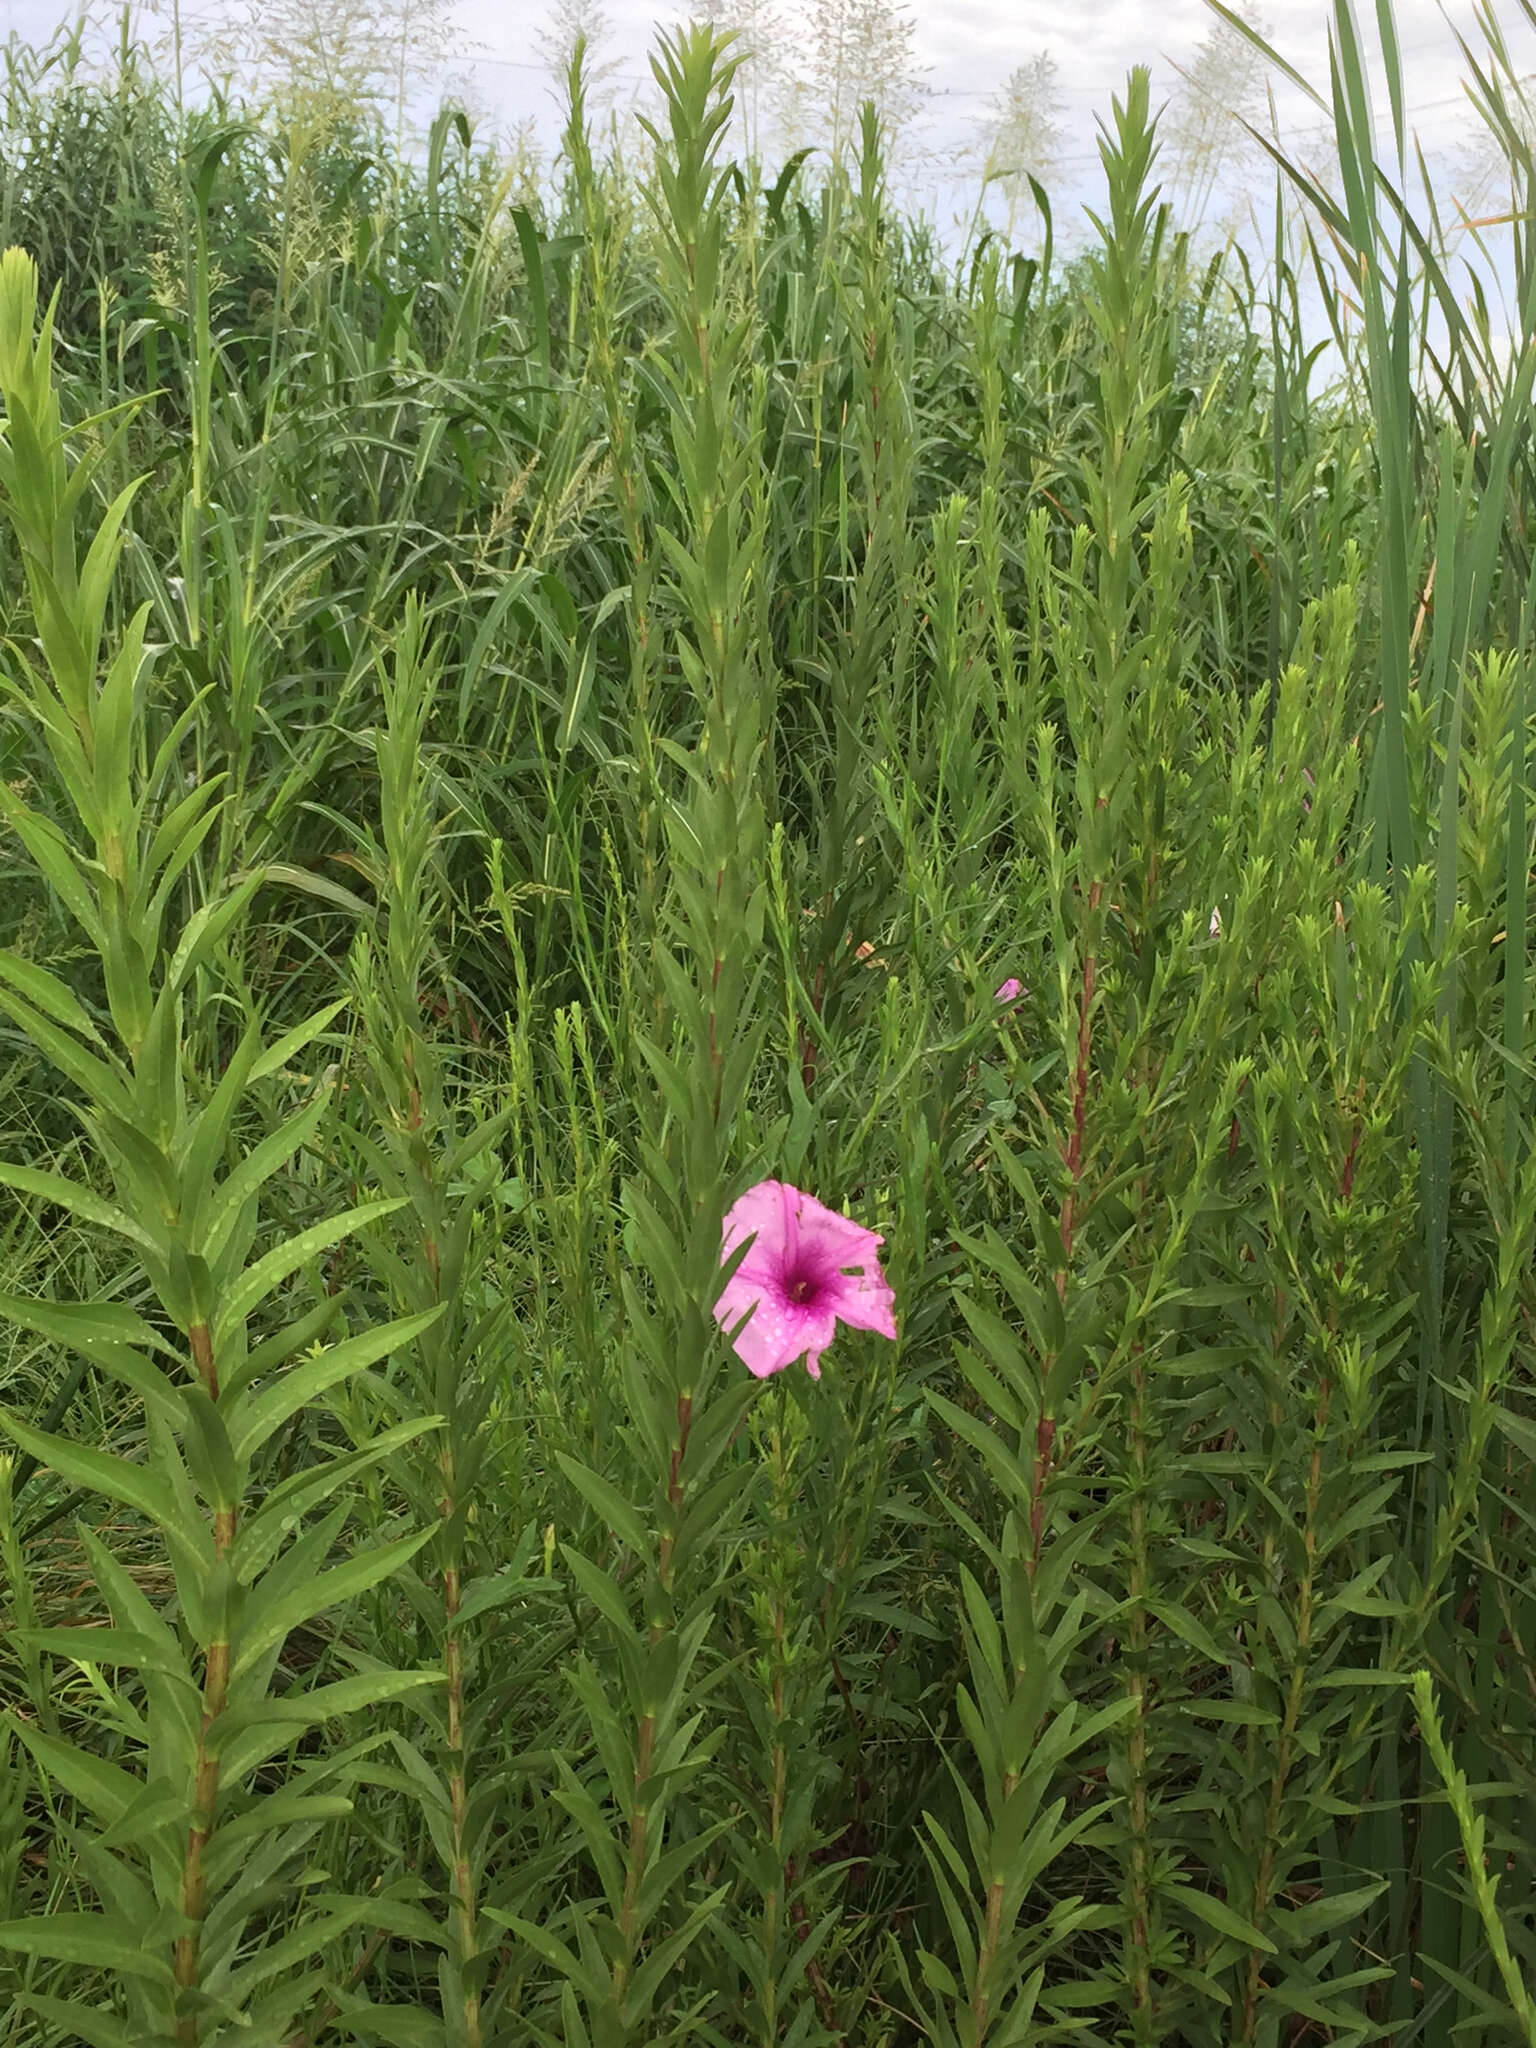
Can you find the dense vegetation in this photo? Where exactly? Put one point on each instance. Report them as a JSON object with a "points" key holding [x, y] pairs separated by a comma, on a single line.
{"points": [[521, 721]]}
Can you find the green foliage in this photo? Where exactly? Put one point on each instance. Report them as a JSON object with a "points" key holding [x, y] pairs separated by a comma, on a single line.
{"points": [[522, 721]]}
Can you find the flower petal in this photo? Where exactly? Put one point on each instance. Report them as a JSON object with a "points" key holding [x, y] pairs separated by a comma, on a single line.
{"points": [[760, 1212], [779, 1332], [799, 1247], [865, 1301], [827, 1243]]}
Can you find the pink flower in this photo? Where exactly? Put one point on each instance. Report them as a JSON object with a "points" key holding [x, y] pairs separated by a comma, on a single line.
{"points": [[1010, 991], [806, 1270]]}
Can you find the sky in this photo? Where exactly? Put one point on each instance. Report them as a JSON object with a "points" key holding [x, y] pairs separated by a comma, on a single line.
{"points": [[966, 49]]}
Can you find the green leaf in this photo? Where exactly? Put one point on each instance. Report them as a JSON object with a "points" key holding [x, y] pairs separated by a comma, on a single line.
{"points": [[391, 2024], [95, 577], [1520, 1430], [209, 1454], [130, 1609], [180, 832], [266, 1626], [1217, 1914], [1302, 1926], [46, 992], [206, 926], [159, 1805], [90, 1327], [258, 1281], [55, 856], [95, 1940], [292, 1043], [135, 1486], [99, 1786], [116, 1648], [280, 1512], [211, 1127], [613, 1509], [111, 1337], [257, 1416], [274, 1810], [604, 1595], [322, 887], [307, 1939], [83, 2023], [250, 1731], [217, 1211], [290, 1340], [493, 1591], [550, 1947], [75, 1201]]}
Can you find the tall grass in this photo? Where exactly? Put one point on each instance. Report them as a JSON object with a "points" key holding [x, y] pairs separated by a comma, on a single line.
{"points": [[522, 722]]}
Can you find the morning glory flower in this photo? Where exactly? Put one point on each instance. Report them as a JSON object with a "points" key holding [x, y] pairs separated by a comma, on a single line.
{"points": [[1010, 991], [806, 1270]]}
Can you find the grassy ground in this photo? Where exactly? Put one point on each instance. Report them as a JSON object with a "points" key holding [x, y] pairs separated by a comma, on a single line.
{"points": [[524, 720]]}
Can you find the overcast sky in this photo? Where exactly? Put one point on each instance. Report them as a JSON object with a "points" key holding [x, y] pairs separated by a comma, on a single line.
{"points": [[967, 49]]}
